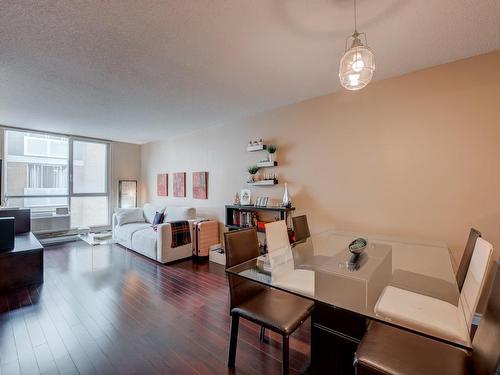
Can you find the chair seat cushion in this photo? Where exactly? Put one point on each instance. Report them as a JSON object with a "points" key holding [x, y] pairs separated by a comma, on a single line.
{"points": [[388, 350], [125, 232], [426, 285], [280, 311], [422, 312], [144, 242]]}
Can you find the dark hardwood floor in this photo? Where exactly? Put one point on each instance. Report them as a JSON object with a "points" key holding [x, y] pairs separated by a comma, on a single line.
{"points": [[107, 310]]}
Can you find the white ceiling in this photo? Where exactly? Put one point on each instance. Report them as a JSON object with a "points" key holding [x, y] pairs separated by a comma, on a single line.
{"points": [[143, 70]]}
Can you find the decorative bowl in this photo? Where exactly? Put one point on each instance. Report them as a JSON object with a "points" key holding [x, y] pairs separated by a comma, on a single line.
{"points": [[358, 246]]}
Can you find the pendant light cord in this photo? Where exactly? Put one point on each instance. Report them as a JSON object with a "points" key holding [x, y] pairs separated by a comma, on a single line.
{"points": [[355, 19]]}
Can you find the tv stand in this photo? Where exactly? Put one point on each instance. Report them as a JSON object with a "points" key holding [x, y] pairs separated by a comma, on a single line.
{"points": [[23, 265]]}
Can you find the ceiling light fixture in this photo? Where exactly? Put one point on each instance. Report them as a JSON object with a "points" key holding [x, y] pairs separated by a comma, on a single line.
{"points": [[358, 63]]}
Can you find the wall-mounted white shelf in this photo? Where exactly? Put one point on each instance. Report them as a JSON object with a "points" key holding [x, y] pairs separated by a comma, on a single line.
{"points": [[263, 183], [267, 164], [256, 148]]}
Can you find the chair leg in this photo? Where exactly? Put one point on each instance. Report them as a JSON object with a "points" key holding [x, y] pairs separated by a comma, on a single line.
{"points": [[233, 340], [285, 349]]}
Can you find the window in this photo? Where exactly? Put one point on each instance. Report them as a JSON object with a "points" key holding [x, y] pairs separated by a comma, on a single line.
{"points": [[89, 167], [45, 172], [45, 145], [48, 177], [33, 170], [89, 201], [89, 211]]}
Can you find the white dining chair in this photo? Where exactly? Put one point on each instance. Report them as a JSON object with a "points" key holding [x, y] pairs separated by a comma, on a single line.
{"points": [[434, 315], [285, 275], [277, 235]]}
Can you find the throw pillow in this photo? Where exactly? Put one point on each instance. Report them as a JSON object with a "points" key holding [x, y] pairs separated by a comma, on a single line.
{"points": [[150, 211], [129, 215], [158, 219]]}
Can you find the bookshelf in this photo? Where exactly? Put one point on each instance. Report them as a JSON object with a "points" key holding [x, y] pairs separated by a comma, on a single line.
{"points": [[239, 217]]}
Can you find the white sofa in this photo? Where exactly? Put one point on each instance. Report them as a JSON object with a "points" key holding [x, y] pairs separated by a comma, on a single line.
{"points": [[136, 231]]}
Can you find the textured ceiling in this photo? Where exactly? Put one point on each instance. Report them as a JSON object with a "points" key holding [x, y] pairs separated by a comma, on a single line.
{"points": [[143, 70]]}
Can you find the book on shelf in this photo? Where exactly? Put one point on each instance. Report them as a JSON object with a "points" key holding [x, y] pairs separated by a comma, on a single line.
{"points": [[244, 218]]}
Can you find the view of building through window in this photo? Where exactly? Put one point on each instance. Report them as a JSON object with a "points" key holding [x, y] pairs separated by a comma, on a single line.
{"points": [[38, 176]]}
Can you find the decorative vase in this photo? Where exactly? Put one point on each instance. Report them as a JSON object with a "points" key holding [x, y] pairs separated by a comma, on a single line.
{"points": [[251, 178], [287, 202], [271, 158]]}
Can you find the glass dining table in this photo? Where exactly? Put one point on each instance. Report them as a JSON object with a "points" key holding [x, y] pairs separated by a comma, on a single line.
{"points": [[350, 290]]}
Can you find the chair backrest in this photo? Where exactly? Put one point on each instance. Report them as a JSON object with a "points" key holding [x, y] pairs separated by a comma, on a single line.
{"points": [[474, 234], [486, 344], [300, 228], [277, 235], [475, 278], [241, 246]]}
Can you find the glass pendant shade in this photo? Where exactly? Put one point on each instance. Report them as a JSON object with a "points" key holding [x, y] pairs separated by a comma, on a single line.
{"points": [[357, 65]]}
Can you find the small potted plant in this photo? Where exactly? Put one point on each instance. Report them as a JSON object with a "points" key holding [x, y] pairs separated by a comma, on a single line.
{"points": [[271, 149], [252, 170]]}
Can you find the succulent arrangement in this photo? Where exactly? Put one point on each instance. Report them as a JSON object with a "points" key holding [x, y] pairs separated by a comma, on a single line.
{"points": [[253, 169], [271, 149]]}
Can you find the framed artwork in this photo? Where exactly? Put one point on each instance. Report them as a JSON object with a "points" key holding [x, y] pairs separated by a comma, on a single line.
{"points": [[200, 185], [127, 193], [162, 184], [245, 197], [180, 184]]}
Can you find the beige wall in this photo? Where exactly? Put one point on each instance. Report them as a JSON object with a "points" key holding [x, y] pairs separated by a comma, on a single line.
{"points": [[125, 165], [414, 156]]}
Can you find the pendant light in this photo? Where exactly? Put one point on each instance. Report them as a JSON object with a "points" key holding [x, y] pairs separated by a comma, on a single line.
{"points": [[358, 63]]}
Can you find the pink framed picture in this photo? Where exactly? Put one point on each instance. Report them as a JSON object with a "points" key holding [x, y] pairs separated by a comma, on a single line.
{"points": [[162, 184], [200, 185], [180, 184]]}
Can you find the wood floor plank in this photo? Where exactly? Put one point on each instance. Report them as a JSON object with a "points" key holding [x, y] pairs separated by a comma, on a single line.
{"points": [[108, 310], [11, 368], [44, 359]]}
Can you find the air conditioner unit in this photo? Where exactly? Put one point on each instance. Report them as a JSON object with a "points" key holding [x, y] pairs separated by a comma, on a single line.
{"points": [[50, 223]]}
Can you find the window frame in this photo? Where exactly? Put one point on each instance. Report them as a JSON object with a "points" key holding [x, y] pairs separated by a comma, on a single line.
{"points": [[71, 193]]}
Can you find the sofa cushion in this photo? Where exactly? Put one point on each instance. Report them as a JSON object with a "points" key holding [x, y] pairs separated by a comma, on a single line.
{"points": [[150, 211], [129, 215], [125, 232], [175, 213], [144, 242]]}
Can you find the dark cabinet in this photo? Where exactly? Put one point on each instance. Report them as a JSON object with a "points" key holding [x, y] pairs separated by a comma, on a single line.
{"points": [[22, 266], [336, 334]]}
